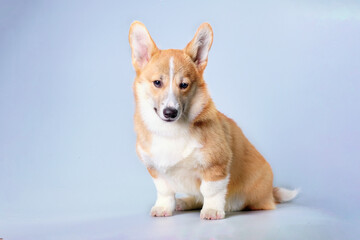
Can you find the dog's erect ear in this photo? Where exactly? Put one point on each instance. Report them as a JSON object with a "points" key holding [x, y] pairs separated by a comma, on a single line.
{"points": [[142, 45], [200, 45]]}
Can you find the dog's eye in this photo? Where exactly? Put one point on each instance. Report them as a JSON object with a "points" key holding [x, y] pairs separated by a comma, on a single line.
{"points": [[157, 83], [183, 85]]}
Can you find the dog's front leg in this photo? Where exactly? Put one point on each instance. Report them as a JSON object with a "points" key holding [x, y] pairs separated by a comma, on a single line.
{"points": [[165, 203], [214, 193]]}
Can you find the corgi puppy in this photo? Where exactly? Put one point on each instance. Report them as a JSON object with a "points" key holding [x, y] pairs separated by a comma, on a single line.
{"points": [[186, 144]]}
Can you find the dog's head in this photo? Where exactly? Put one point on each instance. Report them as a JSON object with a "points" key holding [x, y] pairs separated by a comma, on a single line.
{"points": [[170, 79]]}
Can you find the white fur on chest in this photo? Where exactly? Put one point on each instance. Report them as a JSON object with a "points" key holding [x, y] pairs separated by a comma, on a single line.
{"points": [[168, 152], [177, 160]]}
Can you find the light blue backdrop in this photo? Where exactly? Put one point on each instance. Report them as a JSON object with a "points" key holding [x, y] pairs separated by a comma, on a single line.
{"points": [[288, 72]]}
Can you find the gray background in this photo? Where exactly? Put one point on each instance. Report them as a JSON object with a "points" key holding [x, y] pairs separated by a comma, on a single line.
{"points": [[288, 72]]}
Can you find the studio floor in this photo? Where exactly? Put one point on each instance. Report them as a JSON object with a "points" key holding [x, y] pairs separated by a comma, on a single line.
{"points": [[289, 221]]}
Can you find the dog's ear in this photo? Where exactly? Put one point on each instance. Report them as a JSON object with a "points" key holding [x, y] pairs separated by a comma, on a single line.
{"points": [[199, 47], [142, 45]]}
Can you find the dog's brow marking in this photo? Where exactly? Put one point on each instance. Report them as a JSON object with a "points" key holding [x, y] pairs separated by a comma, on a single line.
{"points": [[171, 101], [171, 73]]}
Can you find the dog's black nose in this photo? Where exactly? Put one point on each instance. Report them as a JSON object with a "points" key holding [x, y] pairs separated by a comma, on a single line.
{"points": [[170, 112]]}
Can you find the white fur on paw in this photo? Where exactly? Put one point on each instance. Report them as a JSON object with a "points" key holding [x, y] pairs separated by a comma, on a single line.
{"points": [[158, 211], [212, 214]]}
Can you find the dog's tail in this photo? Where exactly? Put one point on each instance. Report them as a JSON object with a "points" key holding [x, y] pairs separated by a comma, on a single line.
{"points": [[284, 195]]}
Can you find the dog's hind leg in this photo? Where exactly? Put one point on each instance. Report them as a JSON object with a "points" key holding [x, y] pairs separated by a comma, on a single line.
{"points": [[188, 203], [263, 205]]}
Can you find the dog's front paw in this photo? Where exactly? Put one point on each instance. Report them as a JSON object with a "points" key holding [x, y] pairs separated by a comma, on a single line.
{"points": [[158, 211], [212, 214]]}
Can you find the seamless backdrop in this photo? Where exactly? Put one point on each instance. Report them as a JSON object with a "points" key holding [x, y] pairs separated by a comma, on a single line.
{"points": [[288, 72]]}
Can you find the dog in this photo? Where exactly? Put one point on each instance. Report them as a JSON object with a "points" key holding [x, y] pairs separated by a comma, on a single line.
{"points": [[186, 144]]}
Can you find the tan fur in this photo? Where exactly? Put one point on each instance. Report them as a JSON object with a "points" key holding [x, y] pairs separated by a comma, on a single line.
{"points": [[225, 149], [228, 150]]}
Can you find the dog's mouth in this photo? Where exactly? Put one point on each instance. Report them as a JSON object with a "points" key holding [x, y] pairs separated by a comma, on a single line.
{"points": [[165, 120]]}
